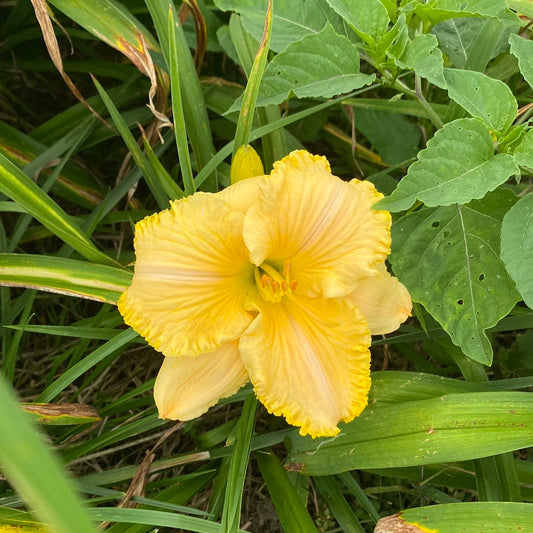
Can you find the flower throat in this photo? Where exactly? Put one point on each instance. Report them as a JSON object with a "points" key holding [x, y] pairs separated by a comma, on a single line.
{"points": [[272, 285]]}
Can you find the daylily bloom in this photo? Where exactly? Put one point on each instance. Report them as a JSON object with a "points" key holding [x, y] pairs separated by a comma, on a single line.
{"points": [[278, 280]]}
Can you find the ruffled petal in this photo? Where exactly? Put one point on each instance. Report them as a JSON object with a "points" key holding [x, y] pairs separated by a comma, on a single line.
{"points": [[186, 387], [383, 300], [323, 226], [192, 275], [308, 360]]}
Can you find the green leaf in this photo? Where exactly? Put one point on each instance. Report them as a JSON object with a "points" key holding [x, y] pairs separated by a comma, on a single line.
{"points": [[525, 7], [289, 25], [251, 92], [330, 491], [423, 55], [453, 427], [64, 276], [490, 100], [522, 49], [438, 10], [36, 472], [470, 43], [320, 65], [112, 23], [523, 153], [231, 513], [17, 186], [457, 166], [395, 138], [291, 510], [448, 259], [368, 18], [517, 246], [464, 517], [17, 521]]}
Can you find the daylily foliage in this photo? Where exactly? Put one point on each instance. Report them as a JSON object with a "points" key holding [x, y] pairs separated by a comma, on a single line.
{"points": [[279, 280]]}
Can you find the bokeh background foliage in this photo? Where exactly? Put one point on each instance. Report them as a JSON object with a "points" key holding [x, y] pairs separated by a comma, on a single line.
{"points": [[108, 110]]}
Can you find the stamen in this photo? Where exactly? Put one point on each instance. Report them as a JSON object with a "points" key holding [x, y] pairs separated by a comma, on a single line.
{"points": [[272, 285], [294, 284]]}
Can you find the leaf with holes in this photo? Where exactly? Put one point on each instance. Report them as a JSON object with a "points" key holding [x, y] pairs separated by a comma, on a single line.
{"points": [[517, 246], [488, 99], [457, 166], [448, 258]]}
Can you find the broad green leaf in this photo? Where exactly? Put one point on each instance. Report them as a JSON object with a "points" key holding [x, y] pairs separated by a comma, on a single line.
{"points": [[517, 246], [522, 49], [64, 276], [320, 65], [368, 18], [457, 166], [438, 10], [470, 43], [289, 25], [36, 472], [463, 517], [393, 136], [523, 153], [423, 55], [17, 186], [448, 259], [524, 7], [395, 386], [453, 427], [490, 100]]}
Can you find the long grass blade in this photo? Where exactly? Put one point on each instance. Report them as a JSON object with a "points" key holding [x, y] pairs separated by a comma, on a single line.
{"points": [[36, 472]]}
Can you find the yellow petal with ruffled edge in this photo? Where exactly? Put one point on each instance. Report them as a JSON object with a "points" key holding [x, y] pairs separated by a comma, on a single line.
{"points": [[192, 275], [308, 360], [383, 300], [187, 387], [323, 226]]}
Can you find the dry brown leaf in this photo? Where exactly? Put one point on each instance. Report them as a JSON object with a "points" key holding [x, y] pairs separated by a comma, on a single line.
{"points": [[43, 18], [396, 524]]}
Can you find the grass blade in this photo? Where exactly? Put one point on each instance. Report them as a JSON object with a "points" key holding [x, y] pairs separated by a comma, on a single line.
{"points": [[64, 276], [231, 513], [17, 186], [180, 130], [291, 510], [36, 472]]}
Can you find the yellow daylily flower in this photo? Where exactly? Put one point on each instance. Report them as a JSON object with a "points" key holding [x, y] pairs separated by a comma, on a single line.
{"points": [[278, 280]]}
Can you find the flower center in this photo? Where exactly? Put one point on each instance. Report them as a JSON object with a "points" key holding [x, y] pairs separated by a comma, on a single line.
{"points": [[272, 285]]}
